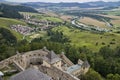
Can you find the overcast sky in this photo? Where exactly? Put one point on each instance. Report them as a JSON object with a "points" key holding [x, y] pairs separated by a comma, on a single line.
{"points": [[59, 0]]}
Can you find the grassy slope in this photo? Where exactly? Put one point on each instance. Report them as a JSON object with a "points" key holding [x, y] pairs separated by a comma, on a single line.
{"points": [[85, 38], [6, 22]]}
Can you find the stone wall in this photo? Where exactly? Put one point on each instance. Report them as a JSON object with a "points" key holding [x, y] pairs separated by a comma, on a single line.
{"points": [[22, 61], [57, 74], [8, 61], [66, 60]]}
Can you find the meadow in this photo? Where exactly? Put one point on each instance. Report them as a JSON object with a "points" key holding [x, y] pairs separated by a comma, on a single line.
{"points": [[93, 41]]}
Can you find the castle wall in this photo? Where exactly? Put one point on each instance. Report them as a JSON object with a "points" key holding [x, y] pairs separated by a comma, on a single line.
{"points": [[57, 74], [55, 71], [8, 61], [22, 60], [66, 60]]}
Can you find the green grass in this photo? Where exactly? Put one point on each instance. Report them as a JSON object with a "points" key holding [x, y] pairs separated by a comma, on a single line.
{"points": [[84, 38], [6, 22], [37, 35]]}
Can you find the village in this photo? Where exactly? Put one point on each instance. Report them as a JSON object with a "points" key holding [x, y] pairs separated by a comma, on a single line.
{"points": [[33, 26]]}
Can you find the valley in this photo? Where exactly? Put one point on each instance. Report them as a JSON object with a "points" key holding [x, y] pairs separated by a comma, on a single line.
{"points": [[88, 31]]}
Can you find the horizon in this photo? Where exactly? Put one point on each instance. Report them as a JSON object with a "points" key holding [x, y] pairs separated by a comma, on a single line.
{"points": [[56, 1]]}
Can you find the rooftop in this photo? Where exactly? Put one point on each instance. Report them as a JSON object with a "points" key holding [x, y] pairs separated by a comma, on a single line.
{"points": [[52, 57], [37, 51], [30, 74], [73, 68]]}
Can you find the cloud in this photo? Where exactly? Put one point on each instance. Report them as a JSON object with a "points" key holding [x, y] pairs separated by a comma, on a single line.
{"points": [[59, 0]]}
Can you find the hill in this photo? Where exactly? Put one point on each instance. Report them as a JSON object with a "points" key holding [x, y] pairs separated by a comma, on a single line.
{"points": [[81, 5], [6, 22], [93, 41], [12, 11]]}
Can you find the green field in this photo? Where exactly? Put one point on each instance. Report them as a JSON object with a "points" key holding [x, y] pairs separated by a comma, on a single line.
{"points": [[93, 41], [6, 22]]}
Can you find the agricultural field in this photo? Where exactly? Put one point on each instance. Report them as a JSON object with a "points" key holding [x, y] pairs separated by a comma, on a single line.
{"points": [[115, 20], [116, 23], [49, 13], [66, 18], [6, 22], [94, 22], [93, 41]]}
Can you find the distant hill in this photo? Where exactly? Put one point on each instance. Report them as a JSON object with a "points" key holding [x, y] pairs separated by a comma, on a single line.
{"points": [[81, 5], [12, 11]]}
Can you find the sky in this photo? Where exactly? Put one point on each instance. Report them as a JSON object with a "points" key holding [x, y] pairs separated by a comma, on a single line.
{"points": [[56, 1]]}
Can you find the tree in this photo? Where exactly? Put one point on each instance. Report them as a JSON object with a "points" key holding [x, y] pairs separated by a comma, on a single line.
{"points": [[106, 52], [91, 75], [113, 77]]}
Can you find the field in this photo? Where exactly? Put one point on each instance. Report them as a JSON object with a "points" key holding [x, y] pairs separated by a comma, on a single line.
{"points": [[115, 20], [66, 17], [37, 35], [93, 41], [48, 17], [91, 21], [6, 22], [116, 23], [51, 14]]}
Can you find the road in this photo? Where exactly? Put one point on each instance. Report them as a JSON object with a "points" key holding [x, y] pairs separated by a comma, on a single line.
{"points": [[86, 27]]}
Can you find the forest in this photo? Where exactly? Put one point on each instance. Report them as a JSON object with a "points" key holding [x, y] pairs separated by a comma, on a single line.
{"points": [[12, 11]]}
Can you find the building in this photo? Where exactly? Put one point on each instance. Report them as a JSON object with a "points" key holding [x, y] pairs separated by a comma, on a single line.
{"points": [[52, 60], [58, 67], [31, 74]]}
